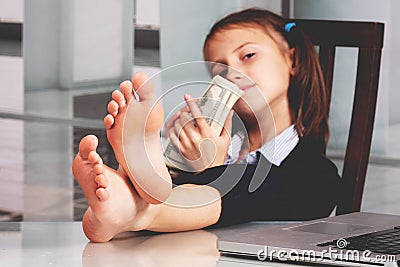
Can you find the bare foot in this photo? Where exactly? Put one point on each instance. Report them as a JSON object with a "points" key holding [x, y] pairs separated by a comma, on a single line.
{"points": [[133, 130], [113, 203]]}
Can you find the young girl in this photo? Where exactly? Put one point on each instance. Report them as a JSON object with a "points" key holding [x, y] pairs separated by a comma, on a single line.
{"points": [[298, 110], [297, 182]]}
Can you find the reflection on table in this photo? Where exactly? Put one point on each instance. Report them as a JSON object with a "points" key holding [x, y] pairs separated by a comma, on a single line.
{"points": [[195, 248], [64, 244]]}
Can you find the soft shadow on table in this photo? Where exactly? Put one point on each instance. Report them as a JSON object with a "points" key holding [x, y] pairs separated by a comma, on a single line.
{"points": [[194, 248]]}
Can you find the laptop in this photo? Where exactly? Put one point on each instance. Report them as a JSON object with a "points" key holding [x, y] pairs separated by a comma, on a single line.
{"points": [[361, 238]]}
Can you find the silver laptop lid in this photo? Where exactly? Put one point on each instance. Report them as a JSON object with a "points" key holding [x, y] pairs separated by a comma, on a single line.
{"points": [[306, 238]]}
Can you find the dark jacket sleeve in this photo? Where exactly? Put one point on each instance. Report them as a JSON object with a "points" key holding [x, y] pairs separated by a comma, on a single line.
{"points": [[304, 187]]}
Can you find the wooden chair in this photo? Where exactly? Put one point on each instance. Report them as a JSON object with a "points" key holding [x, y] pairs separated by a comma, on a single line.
{"points": [[368, 38]]}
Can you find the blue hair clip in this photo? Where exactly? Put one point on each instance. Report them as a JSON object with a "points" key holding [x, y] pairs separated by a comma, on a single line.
{"points": [[289, 26]]}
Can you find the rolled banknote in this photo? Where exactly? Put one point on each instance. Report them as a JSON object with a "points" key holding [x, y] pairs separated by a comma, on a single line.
{"points": [[215, 104]]}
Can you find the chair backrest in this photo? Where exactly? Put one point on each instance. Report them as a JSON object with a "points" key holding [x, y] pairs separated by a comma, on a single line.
{"points": [[368, 38]]}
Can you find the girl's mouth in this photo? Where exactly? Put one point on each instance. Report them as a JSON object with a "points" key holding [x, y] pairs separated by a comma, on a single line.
{"points": [[247, 87]]}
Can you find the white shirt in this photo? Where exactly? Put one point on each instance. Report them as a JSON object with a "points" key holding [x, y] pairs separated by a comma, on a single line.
{"points": [[275, 150]]}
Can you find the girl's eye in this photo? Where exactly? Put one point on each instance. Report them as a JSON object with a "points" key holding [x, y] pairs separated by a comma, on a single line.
{"points": [[248, 55]]}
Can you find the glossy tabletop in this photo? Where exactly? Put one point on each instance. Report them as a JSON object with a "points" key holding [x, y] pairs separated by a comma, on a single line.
{"points": [[64, 244]]}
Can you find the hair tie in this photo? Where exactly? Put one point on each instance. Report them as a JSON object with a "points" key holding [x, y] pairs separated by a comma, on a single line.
{"points": [[289, 26]]}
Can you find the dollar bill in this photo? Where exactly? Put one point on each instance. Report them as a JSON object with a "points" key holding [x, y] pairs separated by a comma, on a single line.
{"points": [[215, 104]]}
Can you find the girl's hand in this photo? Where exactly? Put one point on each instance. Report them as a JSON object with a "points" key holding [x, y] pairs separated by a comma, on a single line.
{"points": [[198, 143], [170, 123]]}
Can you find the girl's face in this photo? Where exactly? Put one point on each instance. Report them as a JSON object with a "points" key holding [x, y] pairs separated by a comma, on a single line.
{"points": [[258, 66]]}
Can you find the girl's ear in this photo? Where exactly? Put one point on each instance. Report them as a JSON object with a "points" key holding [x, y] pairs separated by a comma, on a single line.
{"points": [[291, 61]]}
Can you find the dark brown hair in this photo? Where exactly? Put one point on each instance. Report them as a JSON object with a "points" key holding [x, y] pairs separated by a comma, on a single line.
{"points": [[308, 101]]}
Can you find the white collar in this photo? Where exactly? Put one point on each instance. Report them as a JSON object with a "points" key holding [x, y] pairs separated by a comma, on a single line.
{"points": [[275, 150]]}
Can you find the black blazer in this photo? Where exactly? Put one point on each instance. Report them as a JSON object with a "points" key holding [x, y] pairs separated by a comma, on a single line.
{"points": [[305, 186]]}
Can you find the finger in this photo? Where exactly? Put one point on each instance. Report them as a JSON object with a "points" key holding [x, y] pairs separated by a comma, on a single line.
{"points": [[175, 141], [194, 135], [179, 131], [196, 113], [170, 123], [189, 136], [177, 127], [187, 121], [171, 132]]}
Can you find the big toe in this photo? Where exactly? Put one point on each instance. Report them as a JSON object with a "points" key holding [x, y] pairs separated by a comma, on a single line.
{"points": [[88, 143], [143, 86]]}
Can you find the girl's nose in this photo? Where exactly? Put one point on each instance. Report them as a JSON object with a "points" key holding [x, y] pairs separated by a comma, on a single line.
{"points": [[233, 75]]}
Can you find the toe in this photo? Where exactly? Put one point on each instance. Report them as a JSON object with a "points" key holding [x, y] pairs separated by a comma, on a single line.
{"points": [[112, 108], [101, 180], [87, 145], [102, 194], [94, 158], [98, 169], [118, 98], [108, 121], [126, 88], [143, 86]]}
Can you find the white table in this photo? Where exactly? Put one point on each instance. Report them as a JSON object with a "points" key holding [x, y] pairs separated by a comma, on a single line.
{"points": [[64, 244]]}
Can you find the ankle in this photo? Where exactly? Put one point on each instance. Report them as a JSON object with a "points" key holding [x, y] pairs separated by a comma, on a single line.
{"points": [[146, 218]]}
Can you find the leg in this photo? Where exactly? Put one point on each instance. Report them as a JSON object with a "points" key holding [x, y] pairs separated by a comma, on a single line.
{"points": [[113, 203], [133, 130]]}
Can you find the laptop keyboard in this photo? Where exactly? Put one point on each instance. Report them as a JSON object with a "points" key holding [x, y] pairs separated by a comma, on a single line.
{"points": [[383, 242]]}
